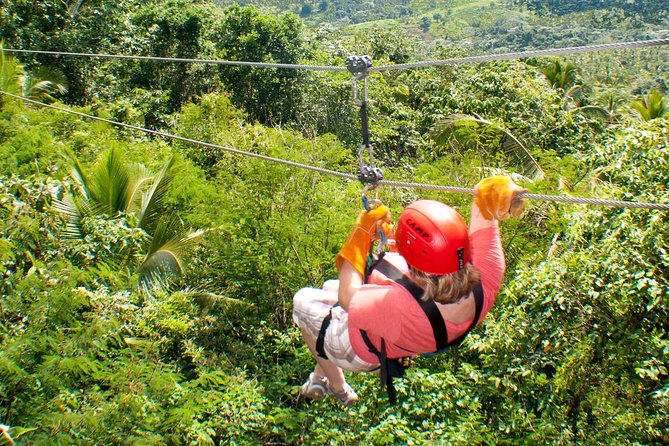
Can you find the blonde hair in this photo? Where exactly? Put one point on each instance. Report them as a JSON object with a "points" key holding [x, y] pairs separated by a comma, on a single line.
{"points": [[448, 288]]}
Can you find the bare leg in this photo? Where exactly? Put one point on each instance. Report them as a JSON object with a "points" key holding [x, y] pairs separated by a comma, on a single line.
{"points": [[327, 297], [325, 368]]}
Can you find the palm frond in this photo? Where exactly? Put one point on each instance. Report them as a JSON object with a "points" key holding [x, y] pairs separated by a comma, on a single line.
{"points": [[559, 75], [515, 176], [112, 184], [575, 92], [78, 172], [75, 209], [169, 245], [207, 299], [514, 147], [164, 262], [11, 72], [465, 127], [596, 111], [142, 178], [651, 106], [43, 82], [153, 200], [454, 127]]}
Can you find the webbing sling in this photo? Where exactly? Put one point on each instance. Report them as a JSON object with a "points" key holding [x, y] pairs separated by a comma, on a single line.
{"points": [[320, 341], [393, 367]]}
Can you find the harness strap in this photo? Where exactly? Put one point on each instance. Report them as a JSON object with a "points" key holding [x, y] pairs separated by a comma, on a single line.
{"points": [[320, 341], [391, 368], [429, 307], [478, 300]]}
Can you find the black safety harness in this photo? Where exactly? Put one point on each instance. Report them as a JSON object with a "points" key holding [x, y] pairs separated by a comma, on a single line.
{"points": [[394, 367]]}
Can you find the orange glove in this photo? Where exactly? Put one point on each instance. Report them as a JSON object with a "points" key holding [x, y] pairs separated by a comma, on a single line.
{"points": [[496, 196], [356, 249]]}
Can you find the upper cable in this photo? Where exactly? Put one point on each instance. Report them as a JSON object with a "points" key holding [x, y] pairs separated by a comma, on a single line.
{"points": [[406, 66]]}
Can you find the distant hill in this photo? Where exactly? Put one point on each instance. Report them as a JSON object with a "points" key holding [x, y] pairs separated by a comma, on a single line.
{"points": [[649, 11], [486, 25]]}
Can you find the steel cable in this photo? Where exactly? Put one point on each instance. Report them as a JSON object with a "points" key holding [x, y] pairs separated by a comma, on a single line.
{"points": [[453, 189], [453, 61], [183, 60], [526, 54]]}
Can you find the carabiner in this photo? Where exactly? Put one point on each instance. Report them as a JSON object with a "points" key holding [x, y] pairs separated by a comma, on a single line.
{"points": [[369, 205], [366, 202]]}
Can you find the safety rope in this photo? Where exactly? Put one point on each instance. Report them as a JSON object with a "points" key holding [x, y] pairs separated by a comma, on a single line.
{"points": [[565, 199], [454, 61]]}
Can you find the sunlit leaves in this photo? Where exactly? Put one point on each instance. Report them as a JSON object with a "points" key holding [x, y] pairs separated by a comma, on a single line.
{"points": [[116, 189], [651, 106], [561, 75], [481, 135], [587, 325], [39, 84]]}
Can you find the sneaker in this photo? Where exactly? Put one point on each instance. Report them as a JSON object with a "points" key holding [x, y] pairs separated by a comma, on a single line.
{"points": [[347, 396], [315, 387]]}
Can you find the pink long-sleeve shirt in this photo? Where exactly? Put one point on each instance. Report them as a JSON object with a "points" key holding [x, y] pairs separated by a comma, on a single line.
{"points": [[385, 309]]}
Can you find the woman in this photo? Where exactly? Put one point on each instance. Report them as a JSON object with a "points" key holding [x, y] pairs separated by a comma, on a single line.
{"points": [[439, 285]]}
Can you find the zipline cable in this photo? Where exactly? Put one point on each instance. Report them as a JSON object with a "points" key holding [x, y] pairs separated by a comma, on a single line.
{"points": [[530, 196], [453, 61], [189, 140], [564, 199], [183, 60], [526, 54]]}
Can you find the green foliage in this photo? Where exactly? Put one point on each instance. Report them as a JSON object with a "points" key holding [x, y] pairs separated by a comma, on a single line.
{"points": [[574, 350], [560, 75], [96, 210], [479, 134], [586, 325], [267, 95], [38, 84], [179, 29], [651, 106], [515, 95], [651, 10]]}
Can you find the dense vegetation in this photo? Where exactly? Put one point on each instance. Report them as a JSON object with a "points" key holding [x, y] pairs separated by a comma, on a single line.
{"points": [[651, 11], [147, 282]]}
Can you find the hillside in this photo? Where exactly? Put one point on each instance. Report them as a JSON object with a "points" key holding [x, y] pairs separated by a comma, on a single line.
{"points": [[497, 25]]}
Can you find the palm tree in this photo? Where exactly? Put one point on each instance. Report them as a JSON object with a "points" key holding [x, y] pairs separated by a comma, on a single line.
{"points": [[116, 189], [561, 76], [650, 106], [39, 84], [481, 135]]}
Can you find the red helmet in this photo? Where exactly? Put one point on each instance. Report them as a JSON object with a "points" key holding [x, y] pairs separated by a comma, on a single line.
{"points": [[433, 237]]}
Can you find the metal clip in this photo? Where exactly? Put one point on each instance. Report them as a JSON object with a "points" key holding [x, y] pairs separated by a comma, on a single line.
{"points": [[359, 67], [366, 202], [369, 205]]}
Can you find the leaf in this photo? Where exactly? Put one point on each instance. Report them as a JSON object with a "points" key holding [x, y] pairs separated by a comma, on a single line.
{"points": [[153, 200], [169, 245], [651, 106], [465, 128]]}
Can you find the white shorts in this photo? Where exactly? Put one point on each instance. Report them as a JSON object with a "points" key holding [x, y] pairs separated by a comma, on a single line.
{"points": [[310, 306]]}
